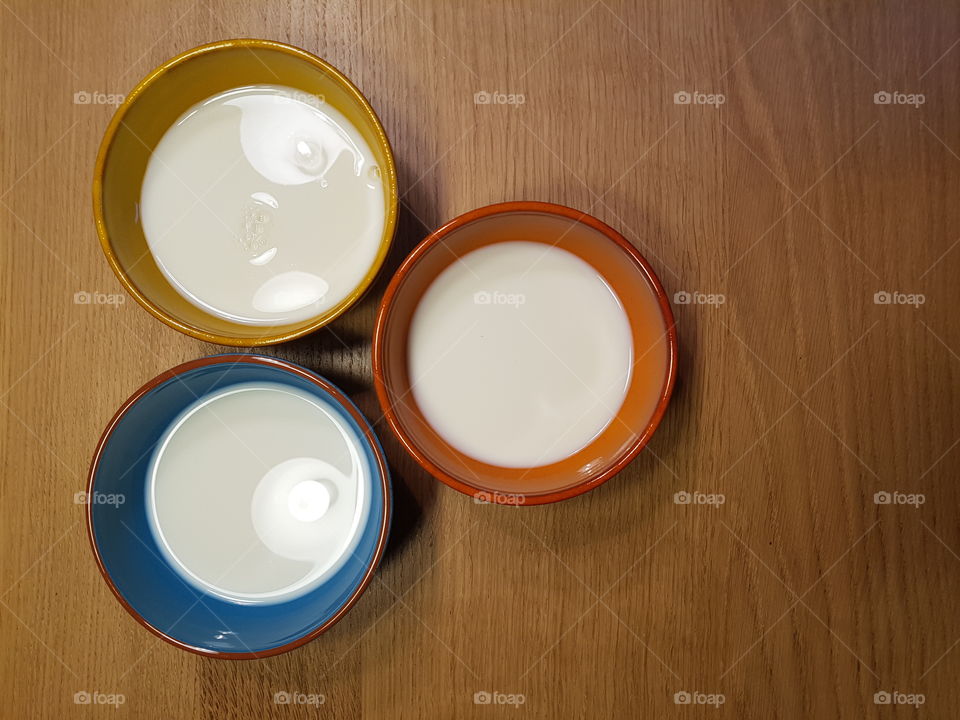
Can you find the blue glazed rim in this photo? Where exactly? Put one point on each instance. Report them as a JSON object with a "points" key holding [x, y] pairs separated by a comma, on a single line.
{"points": [[232, 359]]}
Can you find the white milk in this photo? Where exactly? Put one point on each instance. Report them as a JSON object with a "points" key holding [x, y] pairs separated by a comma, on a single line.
{"points": [[258, 493], [520, 354], [263, 205]]}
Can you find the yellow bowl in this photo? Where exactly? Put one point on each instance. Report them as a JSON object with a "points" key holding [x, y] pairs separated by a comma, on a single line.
{"points": [[146, 114]]}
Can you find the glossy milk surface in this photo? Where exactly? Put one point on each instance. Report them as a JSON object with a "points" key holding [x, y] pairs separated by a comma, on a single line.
{"points": [[520, 354], [258, 492], [263, 205]]}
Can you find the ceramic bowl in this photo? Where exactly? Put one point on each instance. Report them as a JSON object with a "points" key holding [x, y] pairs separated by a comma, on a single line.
{"points": [[143, 118], [134, 565], [654, 342]]}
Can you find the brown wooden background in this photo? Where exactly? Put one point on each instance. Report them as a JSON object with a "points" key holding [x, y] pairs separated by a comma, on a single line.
{"points": [[797, 199]]}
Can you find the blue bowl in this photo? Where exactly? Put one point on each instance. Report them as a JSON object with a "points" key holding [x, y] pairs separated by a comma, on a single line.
{"points": [[135, 567]]}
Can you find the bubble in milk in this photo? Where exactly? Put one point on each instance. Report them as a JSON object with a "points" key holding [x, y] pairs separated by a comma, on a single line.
{"points": [[309, 156]]}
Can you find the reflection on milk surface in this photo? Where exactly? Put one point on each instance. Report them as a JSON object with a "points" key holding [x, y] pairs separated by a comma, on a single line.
{"points": [[263, 205], [258, 492]]}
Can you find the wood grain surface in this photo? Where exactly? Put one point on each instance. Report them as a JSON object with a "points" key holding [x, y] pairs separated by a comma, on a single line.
{"points": [[778, 202]]}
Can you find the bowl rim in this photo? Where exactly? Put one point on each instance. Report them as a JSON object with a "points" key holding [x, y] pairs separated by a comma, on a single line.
{"points": [[338, 395], [436, 237], [390, 177]]}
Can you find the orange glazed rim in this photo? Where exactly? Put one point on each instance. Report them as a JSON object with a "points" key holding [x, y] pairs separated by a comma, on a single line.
{"points": [[603, 473], [390, 178]]}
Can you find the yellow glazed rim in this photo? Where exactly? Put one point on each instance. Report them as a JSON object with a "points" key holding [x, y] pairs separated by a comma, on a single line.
{"points": [[390, 177]]}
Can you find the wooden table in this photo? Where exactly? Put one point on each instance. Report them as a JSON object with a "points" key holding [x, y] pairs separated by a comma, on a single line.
{"points": [[742, 148]]}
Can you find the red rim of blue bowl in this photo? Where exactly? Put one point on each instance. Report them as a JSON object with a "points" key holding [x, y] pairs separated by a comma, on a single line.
{"points": [[340, 397]]}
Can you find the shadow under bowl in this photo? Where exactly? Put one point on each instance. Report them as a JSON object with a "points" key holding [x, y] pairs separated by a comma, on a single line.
{"points": [[643, 300], [152, 108], [134, 565]]}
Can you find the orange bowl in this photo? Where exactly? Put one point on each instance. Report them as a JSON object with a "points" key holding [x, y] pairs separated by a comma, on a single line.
{"points": [[651, 323]]}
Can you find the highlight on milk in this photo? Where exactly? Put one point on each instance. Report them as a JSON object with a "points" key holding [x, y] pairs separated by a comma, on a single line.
{"points": [[263, 206], [258, 493], [520, 354]]}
